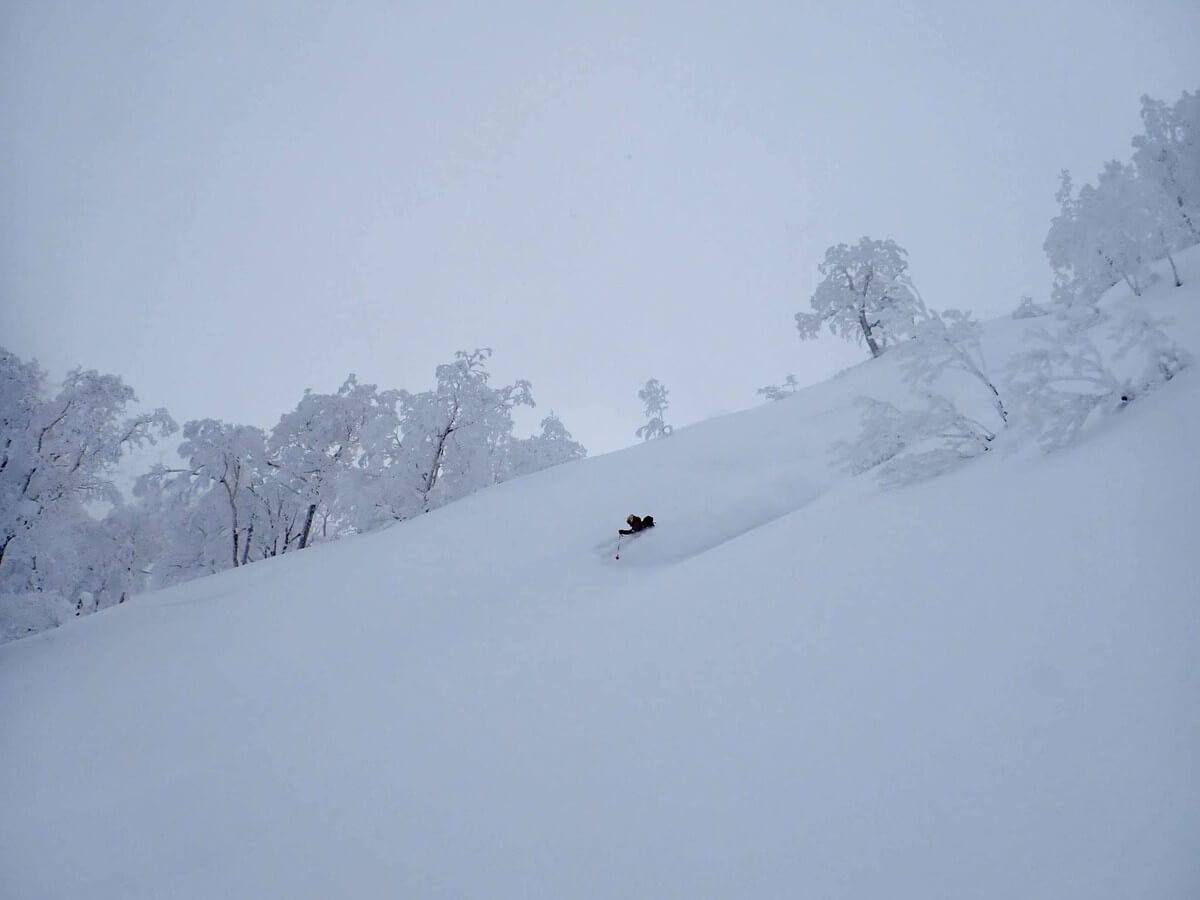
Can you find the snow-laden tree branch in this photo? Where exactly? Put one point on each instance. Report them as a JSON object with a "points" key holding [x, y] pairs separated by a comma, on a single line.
{"points": [[908, 445], [1065, 378]]}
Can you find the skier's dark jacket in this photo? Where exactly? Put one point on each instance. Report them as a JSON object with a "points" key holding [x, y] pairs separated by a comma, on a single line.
{"points": [[637, 523]]}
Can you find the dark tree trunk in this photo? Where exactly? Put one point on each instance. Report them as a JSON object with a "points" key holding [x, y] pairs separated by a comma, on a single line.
{"points": [[431, 476], [1174, 271], [308, 521], [866, 330], [1191, 226]]}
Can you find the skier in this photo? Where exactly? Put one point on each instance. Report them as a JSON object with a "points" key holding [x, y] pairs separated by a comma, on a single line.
{"points": [[636, 524]]}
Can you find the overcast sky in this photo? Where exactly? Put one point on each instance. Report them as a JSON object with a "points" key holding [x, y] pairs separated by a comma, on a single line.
{"points": [[226, 203]]}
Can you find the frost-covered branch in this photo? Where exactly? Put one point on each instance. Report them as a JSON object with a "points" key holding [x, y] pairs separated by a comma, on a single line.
{"points": [[1064, 379], [907, 445]]}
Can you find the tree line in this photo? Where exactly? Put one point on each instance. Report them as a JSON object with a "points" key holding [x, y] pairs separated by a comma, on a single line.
{"points": [[341, 463]]}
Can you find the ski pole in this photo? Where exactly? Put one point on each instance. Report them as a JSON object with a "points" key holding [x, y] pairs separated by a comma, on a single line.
{"points": [[618, 556]]}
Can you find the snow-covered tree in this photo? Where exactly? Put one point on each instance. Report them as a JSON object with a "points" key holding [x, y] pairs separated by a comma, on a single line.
{"points": [[780, 391], [865, 294], [210, 507], [458, 434], [654, 398], [57, 457], [949, 341], [361, 458], [314, 448], [1168, 153], [442, 444], [1135, 214], [120, 551], [243, 496], [550, 448], [1110, 232]]}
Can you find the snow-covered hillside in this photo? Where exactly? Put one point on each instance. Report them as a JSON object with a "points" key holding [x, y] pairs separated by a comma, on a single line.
{"points": [[986, 685]]}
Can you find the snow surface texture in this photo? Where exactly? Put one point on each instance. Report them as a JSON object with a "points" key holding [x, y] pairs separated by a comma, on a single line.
{"points": [[986, 685]]}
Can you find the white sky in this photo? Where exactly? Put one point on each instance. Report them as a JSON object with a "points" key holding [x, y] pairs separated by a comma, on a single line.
{"points": [[228, 206]]}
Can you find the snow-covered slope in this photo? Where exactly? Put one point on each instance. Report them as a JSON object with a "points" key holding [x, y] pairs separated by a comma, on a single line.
{"points": [[987, 685]]}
